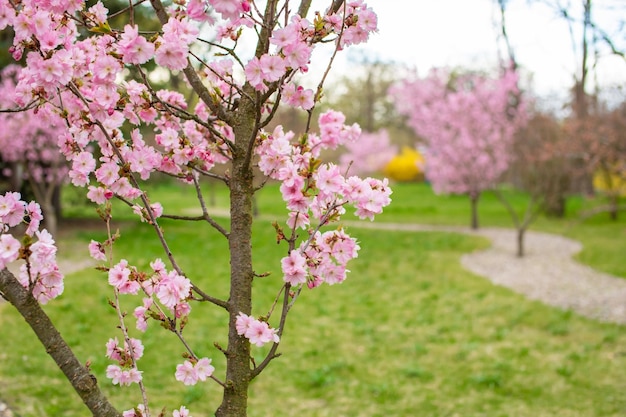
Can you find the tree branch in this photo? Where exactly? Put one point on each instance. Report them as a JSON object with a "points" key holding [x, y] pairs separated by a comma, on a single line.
{"points": [[83, 382]]}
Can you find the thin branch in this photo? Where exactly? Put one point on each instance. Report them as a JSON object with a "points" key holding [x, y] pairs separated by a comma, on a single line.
{"points": [[130, 7], [205, 212], [211, 174], [29, 106], [509, 207], [281, 327]]}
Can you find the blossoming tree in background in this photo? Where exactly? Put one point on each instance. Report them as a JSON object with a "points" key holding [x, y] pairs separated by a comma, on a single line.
{"points": [[28, 145], [96, 78], [369, 155], [467, 122]]}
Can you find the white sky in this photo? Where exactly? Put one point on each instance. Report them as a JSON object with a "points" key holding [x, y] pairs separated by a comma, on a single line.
{"points": [[430, 33]]}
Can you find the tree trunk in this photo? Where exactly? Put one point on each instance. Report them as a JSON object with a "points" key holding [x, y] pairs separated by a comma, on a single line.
{"points": [[555, 201], [474, 203], [520, 241], [235, 400], [50, 220]]}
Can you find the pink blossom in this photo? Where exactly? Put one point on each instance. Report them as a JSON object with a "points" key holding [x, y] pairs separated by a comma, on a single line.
{"points": [[298, 220], [129, 376], [272, 67], [294, 268], [34, 213], [181, 412], [99, 195], [256, 331], [329, 179], [242, 323], [285, 37], [96, 251], [119, 274], [140, 314], [9, 249], [108, 173], [114, 373], [298, 55], [98, 13], [204, 369], [334, 274], [468, 124], [186, 373], [113, 350], [229, 9], [135, 49], [298, 96], [259, 333], [254, 73], [171, 53], [133, 413]]}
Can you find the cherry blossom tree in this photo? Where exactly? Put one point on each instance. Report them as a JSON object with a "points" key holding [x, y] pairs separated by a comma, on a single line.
{"points": [[95, 76], [369, 155], [467, 122], [28, 142]]}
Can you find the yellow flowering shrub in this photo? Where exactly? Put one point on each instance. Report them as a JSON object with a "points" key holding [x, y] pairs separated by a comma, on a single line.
{"points": [[408, 166], [610, 183]]}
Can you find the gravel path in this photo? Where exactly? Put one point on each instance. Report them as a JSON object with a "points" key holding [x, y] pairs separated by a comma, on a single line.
{"points": [[547, 272]]}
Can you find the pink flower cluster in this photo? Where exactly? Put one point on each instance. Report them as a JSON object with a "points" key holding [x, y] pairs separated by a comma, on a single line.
{"points": [[125, 372], [170, 289], [189, 373], [256, 331], [322, 258], [40, 273], [294, 44], [320, 192]]}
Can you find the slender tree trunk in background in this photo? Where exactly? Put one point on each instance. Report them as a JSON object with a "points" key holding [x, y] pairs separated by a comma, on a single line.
{"points": [[50, 219], [614, 206], [44, 195], [555, 205], [474, 203], [520, 241], [56, 202]]}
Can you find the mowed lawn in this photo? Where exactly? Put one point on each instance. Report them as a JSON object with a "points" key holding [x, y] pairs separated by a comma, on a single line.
{"points": [[410, 333]]}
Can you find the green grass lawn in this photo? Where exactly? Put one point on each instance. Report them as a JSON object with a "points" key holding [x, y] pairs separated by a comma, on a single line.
{"points": [[410, 333]]}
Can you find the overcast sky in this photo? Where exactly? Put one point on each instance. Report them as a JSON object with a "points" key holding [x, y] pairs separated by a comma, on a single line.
{"points": [[433, 33]]}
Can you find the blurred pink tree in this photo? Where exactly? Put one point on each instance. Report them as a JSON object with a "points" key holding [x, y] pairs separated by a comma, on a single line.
{"points": [[28, 145], [468, 122], [369, 155]]}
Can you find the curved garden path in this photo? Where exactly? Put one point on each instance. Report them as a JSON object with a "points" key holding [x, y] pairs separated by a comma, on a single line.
{"points": [[547, 273]]}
